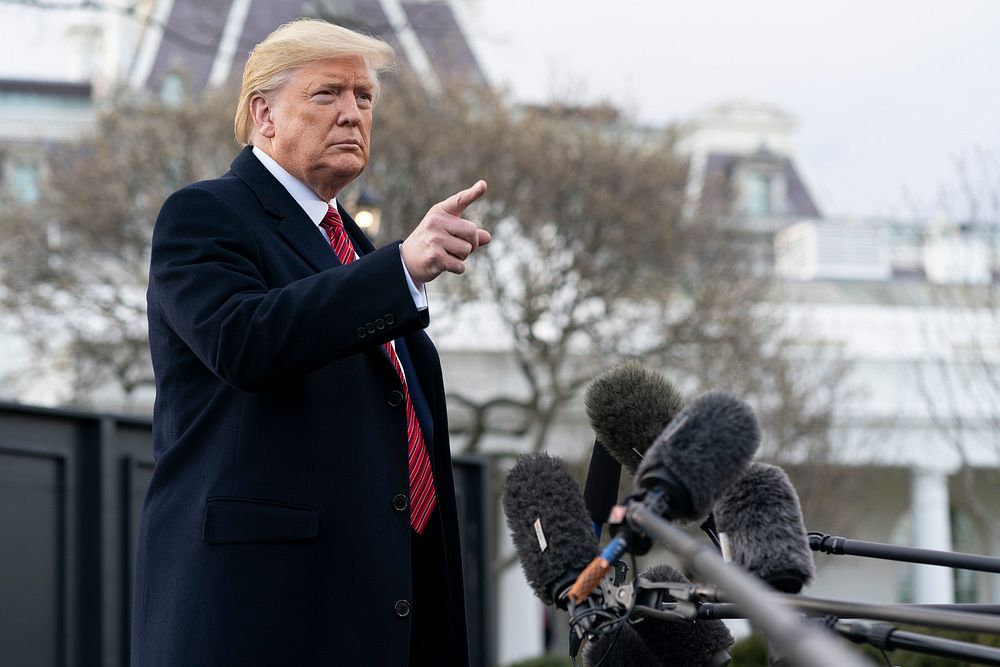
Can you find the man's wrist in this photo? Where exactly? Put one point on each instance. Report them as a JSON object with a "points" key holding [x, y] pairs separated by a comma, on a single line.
{"points": [[417, 291]]}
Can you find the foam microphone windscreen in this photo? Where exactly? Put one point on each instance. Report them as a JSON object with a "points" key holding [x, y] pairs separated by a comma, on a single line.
{"points": [[548, 523], [681, 644], [703, 450], [764, 532], [628, 406], [620, 648]]}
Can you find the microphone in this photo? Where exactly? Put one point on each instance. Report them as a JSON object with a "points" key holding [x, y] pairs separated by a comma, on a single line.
{"points": [[548, 523], [684, 643], [704, 449], [549, 527], [621, 648], [628, 406], [600, 491], [700, 454], [761, 528]]}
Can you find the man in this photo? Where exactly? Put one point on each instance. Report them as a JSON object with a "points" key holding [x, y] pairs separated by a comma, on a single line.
{"points": [[302, 508]]}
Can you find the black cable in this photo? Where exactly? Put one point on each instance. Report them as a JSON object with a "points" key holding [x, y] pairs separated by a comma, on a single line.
{"points": [[620, 623]]}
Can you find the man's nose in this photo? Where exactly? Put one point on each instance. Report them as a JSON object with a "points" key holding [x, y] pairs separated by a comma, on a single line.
{"points": [[350, 114]]}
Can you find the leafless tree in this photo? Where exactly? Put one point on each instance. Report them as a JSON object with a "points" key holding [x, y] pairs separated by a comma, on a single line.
{"points": [[594, 262], [75, 262], [961, 324]]}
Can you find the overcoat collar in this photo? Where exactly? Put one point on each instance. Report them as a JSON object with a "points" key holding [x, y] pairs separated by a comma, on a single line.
{"points": [[294, 225]]}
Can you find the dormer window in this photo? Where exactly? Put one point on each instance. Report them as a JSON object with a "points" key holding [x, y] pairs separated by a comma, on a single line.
{"points": [[758, 194], [761, 182]]}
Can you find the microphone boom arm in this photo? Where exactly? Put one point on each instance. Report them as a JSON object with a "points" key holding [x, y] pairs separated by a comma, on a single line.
{"points": [[803, 645], [838, 546], [889, 638]]}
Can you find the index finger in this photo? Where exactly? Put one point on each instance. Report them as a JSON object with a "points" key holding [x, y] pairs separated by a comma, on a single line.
{"points": [[458, 202]]}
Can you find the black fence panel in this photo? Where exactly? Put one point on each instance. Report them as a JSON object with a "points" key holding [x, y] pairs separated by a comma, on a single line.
{"points": [[71, 488]]}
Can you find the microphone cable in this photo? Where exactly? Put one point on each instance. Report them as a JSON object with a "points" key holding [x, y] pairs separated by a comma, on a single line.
{"points": [[619, 623]]}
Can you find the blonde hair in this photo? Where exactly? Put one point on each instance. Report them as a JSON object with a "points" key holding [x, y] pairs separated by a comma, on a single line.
{"points": [[294, 44]]}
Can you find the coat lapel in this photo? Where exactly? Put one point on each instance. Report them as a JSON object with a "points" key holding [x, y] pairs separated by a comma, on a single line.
{"points": [[294, 225]]}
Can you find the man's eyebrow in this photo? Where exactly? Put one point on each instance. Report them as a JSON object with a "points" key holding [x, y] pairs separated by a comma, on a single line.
{"points": [[334, 81]]}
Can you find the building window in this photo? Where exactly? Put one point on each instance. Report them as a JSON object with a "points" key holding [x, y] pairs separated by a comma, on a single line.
{"points": [[24, 182], [964, 538], [758, 199], [172, 91]]}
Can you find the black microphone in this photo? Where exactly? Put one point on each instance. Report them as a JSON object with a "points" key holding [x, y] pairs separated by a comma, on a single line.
{"points": [[621, 648], [683, 643], [704, 449], [628, 407], [700, 454], [761, 528], [600, 491], [548, 523], [553, 540]]}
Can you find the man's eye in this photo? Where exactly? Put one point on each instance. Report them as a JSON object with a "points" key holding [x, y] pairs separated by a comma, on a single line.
{"points": [[323, 96], [365, 97]]}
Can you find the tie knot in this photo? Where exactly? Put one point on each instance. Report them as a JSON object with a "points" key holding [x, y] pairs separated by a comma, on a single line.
{"points": [[332, 218]]}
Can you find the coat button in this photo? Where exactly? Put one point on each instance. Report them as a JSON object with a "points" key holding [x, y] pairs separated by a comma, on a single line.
{"points": [[402, 608], [389, 319], [361, 332], [400, 502], [395, 398], [380, 324], [370, 327]]}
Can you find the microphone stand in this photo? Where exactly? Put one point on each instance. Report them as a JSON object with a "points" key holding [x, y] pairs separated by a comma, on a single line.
{"points": [[889, 638], [929, 616], [880, 635], [805, 646], [838, 546]]}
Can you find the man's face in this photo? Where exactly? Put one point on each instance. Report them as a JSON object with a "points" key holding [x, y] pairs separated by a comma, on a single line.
{"points": [[320, 123]]}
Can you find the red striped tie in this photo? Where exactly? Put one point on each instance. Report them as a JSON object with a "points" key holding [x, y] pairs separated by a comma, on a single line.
{"points": [[422, 496]]}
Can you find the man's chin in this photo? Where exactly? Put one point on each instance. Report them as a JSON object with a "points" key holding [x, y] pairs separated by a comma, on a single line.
{"points": [[338, 174]]}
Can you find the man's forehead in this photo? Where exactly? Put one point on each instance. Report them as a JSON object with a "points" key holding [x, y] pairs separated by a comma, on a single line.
{"points": [[340, 68]]}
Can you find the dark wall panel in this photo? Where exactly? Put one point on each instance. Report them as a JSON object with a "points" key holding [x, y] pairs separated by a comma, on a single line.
{"points": [[32, 529], [71, 491]]}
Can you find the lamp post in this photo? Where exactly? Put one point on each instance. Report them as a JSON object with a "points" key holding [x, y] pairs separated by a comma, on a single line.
{"points": [[367, 213]]}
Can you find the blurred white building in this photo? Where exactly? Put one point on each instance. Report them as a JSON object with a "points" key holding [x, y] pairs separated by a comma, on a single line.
{"points": [[911, 304]]}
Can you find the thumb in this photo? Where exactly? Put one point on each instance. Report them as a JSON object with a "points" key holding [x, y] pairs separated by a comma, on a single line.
{"points": [[458, 202]]}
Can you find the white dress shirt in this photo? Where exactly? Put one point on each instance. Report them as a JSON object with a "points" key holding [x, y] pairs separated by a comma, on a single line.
{"points": [[316, 209]]}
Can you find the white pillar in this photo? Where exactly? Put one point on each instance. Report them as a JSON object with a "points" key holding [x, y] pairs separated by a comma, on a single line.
{"points": [[520, 615], [931, 530]]}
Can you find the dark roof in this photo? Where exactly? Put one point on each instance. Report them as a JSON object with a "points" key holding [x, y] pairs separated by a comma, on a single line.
{"points": [[190, 41], [719, 172], [194, 28], [443, 41]]}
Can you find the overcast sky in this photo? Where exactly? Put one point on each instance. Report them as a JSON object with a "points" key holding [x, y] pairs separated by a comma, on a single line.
{"points": [[887, 93]]}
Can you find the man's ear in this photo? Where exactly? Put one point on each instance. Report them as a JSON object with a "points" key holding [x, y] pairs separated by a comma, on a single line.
{"points": [[262, 114]]}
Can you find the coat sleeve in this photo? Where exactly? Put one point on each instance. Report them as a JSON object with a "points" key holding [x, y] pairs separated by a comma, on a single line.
{"points": [[207, 278]]}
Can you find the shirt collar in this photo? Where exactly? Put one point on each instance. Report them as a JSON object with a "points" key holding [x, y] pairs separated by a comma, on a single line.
{"points": [[310, 202]]}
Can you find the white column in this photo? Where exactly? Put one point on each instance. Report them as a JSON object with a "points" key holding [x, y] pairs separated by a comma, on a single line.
{"points": [[520, 617], [931, 530]]}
